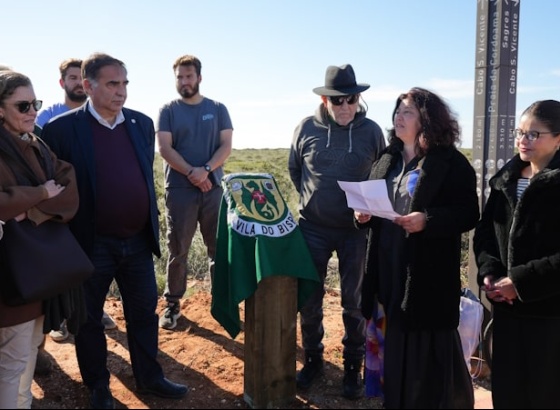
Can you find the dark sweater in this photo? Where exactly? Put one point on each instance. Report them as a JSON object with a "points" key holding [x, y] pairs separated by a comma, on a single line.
{"points": [[122, 196]]}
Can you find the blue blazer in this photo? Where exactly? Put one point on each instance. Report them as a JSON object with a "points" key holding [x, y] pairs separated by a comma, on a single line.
{"points": [[70, 137]]}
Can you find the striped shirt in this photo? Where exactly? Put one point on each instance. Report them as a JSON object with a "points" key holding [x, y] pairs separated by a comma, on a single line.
{"points": [[522, 184]]}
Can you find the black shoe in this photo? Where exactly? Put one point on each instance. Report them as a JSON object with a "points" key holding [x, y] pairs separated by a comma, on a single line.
{"points": [[352, 383], [164, 388], [101, 398], [311, 369]]}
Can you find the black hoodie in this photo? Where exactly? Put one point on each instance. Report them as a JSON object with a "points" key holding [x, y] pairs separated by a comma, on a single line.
{"points": [[323, 153]]}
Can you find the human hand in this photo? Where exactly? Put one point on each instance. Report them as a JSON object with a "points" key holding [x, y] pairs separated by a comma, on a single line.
{"points": [[52, 188], [205, 185], [499, 290], [21, 217], [506, 289], [487, 283], [197, 175], [413, 222], [361, 218]]}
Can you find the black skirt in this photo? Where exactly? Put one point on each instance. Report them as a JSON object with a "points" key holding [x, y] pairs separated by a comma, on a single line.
{"points": [[425, 369], [525, 362]]}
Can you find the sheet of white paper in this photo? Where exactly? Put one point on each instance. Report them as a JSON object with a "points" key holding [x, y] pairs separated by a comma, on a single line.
{"points": [[369, 197]]}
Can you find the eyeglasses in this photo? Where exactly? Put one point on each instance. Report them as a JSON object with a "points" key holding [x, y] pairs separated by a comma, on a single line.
{"points": [[25, 106], [339, 99], [530, 135]]}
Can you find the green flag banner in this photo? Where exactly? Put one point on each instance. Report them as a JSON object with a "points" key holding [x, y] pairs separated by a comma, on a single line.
{"points": [[257, 237]]}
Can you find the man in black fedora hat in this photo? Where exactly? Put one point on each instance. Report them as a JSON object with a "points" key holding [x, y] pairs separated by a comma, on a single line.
{"points": [[338, 143]]}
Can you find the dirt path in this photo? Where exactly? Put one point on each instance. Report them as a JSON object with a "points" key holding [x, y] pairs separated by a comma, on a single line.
{"points": [[200, 354]]}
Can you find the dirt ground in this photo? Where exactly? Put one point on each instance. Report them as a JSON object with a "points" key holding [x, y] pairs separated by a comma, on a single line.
{"points": [[198, 353]]}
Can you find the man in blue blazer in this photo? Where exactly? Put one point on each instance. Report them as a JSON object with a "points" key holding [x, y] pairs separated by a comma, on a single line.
{"points": [[112, 150]]}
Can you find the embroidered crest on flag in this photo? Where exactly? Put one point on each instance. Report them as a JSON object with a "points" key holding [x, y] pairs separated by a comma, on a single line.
{"points": [[256, 207]]}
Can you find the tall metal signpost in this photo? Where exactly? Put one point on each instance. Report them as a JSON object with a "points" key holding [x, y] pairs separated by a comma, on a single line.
{"points": [[495, 88]]}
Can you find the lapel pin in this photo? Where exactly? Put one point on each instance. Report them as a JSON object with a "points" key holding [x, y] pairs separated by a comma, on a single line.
{"points": [[133, 121]]}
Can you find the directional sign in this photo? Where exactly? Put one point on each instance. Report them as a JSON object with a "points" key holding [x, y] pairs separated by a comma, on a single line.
{"points": [[497, 44], [495, 88]]}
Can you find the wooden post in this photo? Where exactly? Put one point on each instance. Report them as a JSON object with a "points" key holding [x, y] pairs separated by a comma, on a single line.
{"points": [[270, 343]]}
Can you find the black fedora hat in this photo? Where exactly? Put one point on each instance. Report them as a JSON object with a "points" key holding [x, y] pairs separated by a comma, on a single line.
{"points": [[340, 81]]}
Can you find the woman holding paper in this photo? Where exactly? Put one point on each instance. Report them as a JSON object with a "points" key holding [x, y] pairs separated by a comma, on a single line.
{"points": [[413, 264]]}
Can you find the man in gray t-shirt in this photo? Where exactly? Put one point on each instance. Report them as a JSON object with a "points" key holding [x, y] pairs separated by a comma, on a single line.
{"points": [[194, 135]]}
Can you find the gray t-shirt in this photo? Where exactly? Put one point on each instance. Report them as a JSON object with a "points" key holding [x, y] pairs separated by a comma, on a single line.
{"points": [[195, 130]]}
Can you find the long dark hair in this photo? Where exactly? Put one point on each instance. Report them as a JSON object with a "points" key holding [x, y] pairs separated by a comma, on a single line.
{"points": [[439, 123]]}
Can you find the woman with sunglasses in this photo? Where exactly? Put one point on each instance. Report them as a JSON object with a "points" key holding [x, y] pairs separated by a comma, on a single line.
{"points": [[21, 327], [413, 262], [517, 248]]}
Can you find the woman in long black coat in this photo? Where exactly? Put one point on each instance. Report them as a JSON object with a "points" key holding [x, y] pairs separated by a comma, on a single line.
{"points": [[517, 247], [413, 264]]}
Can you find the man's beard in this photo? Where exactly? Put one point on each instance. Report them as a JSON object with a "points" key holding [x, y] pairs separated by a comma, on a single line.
{"points": [[75, 97], [185, 93]]}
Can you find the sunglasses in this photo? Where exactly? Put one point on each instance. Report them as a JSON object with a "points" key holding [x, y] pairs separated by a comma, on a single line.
{"points": [[25, 106], [339, 99]]}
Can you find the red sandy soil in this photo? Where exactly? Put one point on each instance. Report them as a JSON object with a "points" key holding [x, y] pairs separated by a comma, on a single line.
{"points": [[199, 353]]}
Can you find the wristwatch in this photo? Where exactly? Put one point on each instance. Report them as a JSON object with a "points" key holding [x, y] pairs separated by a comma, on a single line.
{"points": [[208, 168]]}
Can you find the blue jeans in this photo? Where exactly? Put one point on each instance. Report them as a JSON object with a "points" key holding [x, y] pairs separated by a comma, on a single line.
{"points": [[350, 247], [130, 262]]}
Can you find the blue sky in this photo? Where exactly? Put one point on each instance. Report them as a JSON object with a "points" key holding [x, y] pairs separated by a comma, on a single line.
{"points": [[262, 58]]}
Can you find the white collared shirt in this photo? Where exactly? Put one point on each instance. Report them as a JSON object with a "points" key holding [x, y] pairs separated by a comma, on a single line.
{"points": [[102, 121], [1, 230]]}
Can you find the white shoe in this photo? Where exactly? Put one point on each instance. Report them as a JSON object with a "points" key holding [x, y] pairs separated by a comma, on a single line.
{"points": [[60, 335]]}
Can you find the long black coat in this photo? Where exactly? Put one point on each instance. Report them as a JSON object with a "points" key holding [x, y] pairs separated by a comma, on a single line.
{"points": [[521, 239], [446, 191]]}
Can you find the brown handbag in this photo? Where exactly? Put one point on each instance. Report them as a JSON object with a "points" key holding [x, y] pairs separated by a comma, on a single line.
{"points": [[38, 262]]}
